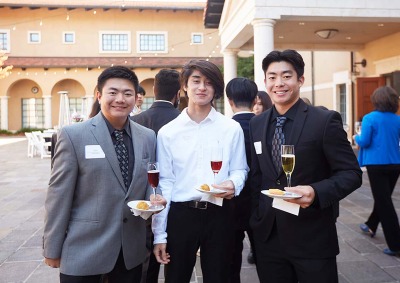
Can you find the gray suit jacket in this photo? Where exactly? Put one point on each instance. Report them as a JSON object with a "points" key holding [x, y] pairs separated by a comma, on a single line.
{"points": [[87, 219]]}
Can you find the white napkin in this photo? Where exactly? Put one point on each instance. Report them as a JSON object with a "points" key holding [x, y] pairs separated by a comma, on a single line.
{"points": [[144, 214], [212, 199], [289, 207]]}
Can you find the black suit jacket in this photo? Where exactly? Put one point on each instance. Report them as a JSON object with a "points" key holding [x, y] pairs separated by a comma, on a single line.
{"points": [[159, 114], [325, 160], [242, 203]]}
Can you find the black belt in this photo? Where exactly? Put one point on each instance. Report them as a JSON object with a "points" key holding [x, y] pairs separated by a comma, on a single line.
{"points": [[195, 204]]}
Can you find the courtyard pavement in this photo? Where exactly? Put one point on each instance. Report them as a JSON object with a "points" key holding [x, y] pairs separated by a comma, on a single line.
{"points": [[23, 185]]}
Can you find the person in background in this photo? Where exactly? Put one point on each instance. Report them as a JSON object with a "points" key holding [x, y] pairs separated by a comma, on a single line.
{"points": [[99, 166], [262, 102], [163, 110], [379, 152], [194, 218], [296, 239], [241, 93], [137, 109]]}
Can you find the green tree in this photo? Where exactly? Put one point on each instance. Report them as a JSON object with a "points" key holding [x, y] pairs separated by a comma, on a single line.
{"points": [[245, 67]]}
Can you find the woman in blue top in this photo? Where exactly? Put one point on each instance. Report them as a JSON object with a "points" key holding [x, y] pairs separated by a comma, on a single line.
{"points": [[380, 153]]}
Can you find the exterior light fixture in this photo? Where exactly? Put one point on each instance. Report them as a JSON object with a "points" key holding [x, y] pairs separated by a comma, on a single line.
{"points": [[326, 33]]}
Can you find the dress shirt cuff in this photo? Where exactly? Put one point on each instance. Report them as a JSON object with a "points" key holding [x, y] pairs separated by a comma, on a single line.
{"points": [[160, 239], [238, 183]]}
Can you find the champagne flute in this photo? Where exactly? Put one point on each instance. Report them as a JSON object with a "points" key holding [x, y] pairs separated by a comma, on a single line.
{"points": [[357, 127], [216, 159], [153, 175], [288, 161]]}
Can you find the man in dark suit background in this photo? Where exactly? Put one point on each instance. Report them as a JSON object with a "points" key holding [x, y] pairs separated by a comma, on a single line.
{"points": [[163, 110], [241, 93], [303, 247]]}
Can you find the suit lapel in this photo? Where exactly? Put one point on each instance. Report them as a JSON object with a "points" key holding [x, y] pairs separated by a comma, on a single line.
{"points": [[137, 144], [100, 132], [298, 124]]}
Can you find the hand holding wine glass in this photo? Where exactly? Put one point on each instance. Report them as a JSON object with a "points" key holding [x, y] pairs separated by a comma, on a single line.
{"points": [[153, 175], [216, 159], [288, 162]]}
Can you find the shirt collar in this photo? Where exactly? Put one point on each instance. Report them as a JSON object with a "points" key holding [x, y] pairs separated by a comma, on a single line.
{"points": [[111, 129], [290, 114], [242, 112], [212, 116]]}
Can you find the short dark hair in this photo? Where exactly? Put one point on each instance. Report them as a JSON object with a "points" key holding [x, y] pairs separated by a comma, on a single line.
{"points": [[141, 90], [119, 72], [242, 92], [385, 99], [290, 56], [209, 70], [265, 99], [166, 84]]}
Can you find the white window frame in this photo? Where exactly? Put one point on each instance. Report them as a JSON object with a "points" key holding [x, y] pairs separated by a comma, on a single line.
{"points": [[101, 33], [30, 32], [6, 49], [197, 34], [65, 33], [139, 33]]}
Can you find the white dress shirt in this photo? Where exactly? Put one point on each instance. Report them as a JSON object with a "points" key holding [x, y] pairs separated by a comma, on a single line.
{"points": [[184, 155]]}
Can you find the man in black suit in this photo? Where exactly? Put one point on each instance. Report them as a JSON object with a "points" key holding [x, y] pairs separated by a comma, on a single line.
{"points": [[300, 246], [241, 93], [162, 111]]}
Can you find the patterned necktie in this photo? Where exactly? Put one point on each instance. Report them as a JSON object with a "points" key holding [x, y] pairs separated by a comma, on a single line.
{"points": [[122, 155], [277, 141]]}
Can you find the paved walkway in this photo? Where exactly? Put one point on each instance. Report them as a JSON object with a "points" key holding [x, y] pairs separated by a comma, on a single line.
{"points": [[23, 183]]}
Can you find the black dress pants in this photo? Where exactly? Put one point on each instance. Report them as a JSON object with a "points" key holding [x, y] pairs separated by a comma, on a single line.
{"points": [[274, 265], [212, 230], [118, 275], [383, 179]]}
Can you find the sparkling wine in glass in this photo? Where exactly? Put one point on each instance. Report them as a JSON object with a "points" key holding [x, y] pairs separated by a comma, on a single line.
{"points": [[288, 161], [216, 160], [153, 176]]}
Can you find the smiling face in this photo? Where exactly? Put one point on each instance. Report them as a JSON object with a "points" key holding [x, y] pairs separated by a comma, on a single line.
{"points": [[117, 99], [199, 90], [283, 85]]}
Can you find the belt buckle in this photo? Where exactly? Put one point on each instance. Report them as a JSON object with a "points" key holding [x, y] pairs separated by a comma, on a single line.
{"points": [[199, 205]]}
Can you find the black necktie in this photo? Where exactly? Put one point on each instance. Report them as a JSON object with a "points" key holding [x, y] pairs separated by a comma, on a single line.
{"points": [[122, 155], [277, 141]]}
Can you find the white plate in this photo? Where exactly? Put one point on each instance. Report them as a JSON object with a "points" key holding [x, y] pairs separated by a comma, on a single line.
{"points": [[286, 195], [212, 191], [133, 205]]}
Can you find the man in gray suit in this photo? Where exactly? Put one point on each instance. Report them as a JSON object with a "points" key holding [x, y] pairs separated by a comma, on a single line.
{"points": [[89, 229]]}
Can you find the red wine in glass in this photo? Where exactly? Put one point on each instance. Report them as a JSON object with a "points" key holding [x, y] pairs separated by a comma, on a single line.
{"points": [[153, 176], [216, 166]]}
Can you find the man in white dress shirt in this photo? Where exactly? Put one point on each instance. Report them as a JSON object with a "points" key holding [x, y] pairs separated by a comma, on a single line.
{"points": [[194, 219]]}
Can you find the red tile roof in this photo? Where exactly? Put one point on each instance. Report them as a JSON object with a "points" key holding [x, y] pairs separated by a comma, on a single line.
{"points": [[94, 62]]}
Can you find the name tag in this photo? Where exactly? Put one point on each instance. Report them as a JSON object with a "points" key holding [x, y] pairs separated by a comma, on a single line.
{"points": [[94, 151], [258, 147]]}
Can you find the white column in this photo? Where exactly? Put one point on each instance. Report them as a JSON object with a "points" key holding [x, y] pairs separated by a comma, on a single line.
{"points": [[230, 72], [263, 44], [47, 111], [4, 112]]}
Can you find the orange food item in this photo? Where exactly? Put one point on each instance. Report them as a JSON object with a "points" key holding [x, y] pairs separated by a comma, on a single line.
{"points": [[142, 205], [276, 192], [205, 187]]}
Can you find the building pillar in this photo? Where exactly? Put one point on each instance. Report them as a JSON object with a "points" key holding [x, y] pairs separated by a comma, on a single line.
{"points": [[4, 112], [263, 44], [230, 72], [47, 111], [89, 103]]}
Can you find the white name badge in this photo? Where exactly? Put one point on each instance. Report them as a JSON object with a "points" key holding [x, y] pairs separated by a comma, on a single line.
{"points": [[94, 151], [257, 147]]}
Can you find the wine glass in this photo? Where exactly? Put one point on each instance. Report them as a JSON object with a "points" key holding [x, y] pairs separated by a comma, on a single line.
{"points": [[288, 161], [357, 127], [153, 175], [216, 159]]}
